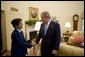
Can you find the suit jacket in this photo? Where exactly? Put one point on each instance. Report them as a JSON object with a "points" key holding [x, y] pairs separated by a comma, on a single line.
{"points": [[51, 40], [19, 44]]}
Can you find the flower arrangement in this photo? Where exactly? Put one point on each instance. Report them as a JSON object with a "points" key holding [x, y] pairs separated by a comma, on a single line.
{"points": [[31, 22]]}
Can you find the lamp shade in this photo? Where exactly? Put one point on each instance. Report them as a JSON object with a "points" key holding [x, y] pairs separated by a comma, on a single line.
{"points": [[67, 24], [37, 26]]}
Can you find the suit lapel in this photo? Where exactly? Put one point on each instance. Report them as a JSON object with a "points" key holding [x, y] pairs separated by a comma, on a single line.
{"points": [[20, 33], [43, 28]]}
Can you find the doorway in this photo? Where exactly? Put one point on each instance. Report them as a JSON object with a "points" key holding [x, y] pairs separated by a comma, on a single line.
{"points": [[0, 39], [3, 33]]}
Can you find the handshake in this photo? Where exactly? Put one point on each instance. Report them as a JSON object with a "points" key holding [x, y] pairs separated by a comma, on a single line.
{"points": [[33, 43]]}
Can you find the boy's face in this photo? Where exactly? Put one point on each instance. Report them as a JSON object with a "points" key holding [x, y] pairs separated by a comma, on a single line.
{"points": [[20, 26]]}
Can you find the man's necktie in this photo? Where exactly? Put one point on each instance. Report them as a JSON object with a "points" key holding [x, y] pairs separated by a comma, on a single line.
{"points": [[45, 29]]}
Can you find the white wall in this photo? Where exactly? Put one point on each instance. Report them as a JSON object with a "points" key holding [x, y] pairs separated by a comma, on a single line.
{"points": [[63, 10]]}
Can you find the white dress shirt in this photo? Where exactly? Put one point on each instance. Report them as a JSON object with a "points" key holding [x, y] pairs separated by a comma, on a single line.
{"points": [[46, 26]]}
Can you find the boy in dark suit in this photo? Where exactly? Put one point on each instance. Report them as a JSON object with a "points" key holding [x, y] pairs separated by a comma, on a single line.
{"points": [[19, 45]]}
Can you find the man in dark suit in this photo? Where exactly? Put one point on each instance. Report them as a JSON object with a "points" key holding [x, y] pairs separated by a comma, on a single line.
{"points": [[19, 45], [50, 34]]}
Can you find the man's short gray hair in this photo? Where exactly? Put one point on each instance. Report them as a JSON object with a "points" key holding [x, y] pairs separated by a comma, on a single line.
{"points": [[45, 14]]}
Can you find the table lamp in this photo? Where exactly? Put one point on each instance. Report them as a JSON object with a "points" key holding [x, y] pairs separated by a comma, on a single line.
{"points": [[67, 25], [37, 26]]}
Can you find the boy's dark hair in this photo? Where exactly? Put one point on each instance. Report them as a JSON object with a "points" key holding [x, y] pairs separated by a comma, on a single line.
{"points": [[15, 22]]}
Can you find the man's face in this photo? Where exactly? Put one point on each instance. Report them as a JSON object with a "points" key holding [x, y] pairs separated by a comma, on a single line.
{"points": [[44, 19]]}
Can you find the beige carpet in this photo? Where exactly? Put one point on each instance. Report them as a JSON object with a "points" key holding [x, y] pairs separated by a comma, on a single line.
{"points": [[8, 53]]}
